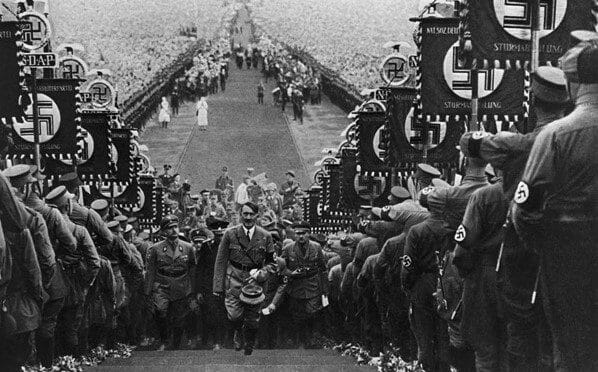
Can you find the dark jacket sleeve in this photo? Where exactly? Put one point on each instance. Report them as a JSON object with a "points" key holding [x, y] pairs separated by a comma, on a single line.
{"points": [[90, 255], [24, 253], [43, 248], [221, 263], [408, 268], [100, 228], [193, 269], [66, 240]]}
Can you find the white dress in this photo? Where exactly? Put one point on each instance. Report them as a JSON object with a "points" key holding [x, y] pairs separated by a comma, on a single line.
{"points": [[164, 113], [202, 113]]}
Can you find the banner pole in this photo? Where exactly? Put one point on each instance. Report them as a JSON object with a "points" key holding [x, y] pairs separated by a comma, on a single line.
{"points": [[473, 121], [535, 57], [36, 151]]}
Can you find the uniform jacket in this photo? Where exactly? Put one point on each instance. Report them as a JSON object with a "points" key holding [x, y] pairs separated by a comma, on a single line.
{"points": [[102, 295], [236, 247], [314, 281], [92, 221], [288, 189], [365, 248], [222, 182], [82, 268], [45, 253], [171, 266], [61, 238], [335, 277]]}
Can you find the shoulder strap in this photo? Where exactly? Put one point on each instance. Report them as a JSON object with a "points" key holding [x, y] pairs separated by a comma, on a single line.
{"points": [[244, 250]]}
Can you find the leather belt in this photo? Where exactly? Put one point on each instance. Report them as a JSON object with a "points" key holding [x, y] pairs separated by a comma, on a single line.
{"points": [[242, 267], [170, 274]]}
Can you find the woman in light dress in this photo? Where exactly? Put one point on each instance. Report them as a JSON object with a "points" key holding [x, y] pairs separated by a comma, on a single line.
{"points": [[202, 113], [164, 116]]}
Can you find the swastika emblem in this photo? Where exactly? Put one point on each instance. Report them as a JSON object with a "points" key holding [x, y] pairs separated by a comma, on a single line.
{"points": [[395, 70], [459, 79], [87, 149], [118, 189], [48, 116], [515, 16], [36, 30], [141, 196], [376, 144], [415, 131], [368, 186], [460, 234], [72, 67], [522, 193], [102, 93]]}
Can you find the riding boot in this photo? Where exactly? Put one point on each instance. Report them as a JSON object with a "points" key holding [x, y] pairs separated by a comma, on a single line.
{"points": [[176, 338], [237, 327], [250, 335], [162, 325], [45, 350]]}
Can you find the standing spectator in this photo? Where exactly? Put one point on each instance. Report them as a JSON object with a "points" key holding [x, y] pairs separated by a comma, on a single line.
{"points": [[202, 114], [260, 93], [215, 208], [289, 188], [224, 180], [174, 101], [222, 75], [164, 116], [242, 197]]}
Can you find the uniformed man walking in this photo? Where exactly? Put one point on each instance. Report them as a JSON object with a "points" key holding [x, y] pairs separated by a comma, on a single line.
{"points": [[169, 282], [245, 255], [556, 214], [308, 282]]}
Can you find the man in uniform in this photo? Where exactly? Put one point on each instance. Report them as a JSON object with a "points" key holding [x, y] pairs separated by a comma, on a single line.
{"points": [[245, 255], [418, 277], [527, 343], [289, 188], [556, 214], [79, 271], [308, 282], [46, 241], [170, 272], [479, 239], [369, 296], [224, 180]]}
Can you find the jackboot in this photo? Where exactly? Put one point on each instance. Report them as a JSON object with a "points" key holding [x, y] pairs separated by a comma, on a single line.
{"points": [[250, 335], [45, 350]]}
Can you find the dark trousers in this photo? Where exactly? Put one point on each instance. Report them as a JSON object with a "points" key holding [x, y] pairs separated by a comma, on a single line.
{"points": [[15, 351], [260, 99], [45, 333]]}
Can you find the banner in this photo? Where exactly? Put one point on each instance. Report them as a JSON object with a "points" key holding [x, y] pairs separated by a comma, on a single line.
{"points": [[126, 197], [123, 155], [147, 209], [501, 29], [409, 134], [361, 188], [93, 159], [58, 121], [10, 82], [446, 88], [369, 129]]}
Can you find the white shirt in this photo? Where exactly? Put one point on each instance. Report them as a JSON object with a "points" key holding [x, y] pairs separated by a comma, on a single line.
{"points": [[242, 196], [249, 232]]}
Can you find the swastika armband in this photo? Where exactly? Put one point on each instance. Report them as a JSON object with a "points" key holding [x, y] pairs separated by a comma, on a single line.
{"points": [[460, 234], [407, 262], [384, 213], [527, 197]]}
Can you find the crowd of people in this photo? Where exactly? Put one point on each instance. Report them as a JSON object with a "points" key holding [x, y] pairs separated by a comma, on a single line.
{"points": [[344, 36], [137, 39]]}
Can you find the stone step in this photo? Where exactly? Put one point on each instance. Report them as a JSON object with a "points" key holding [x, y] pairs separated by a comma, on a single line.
{"points": [[236, 368]]}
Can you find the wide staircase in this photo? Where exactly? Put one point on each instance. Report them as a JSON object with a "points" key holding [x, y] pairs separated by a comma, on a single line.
{"points": [[296, 360]]}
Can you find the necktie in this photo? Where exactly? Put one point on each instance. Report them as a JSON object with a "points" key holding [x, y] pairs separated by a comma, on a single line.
{"points": [[248, 236]]}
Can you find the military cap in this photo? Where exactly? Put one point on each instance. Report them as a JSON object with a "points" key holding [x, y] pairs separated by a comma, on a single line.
{"points": [[183, 237], [584, 35], [18, 175], [549, 85], [252, 294], [285, 223], [121, 218], [128, 228], [114, 226], [99, 204], [70, 180], [365, 207], [204, 191], [225, 169], [301, 226], [169, 221], [429, 197], [58, 196], [132, 219], [426, 172], [143, 235], [198, 236], [267, 222], [579, 63], [320, 238], [399, 192], [36, 173], [290, 173]]}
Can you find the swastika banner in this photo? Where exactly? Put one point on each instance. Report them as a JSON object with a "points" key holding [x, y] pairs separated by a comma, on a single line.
{"points": [[446, 88], [126, 197], [409, 134], [361, 188], [501, 29], [369, 128], [146, 212], [10, 88], [93, 160], [57, 117]]}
